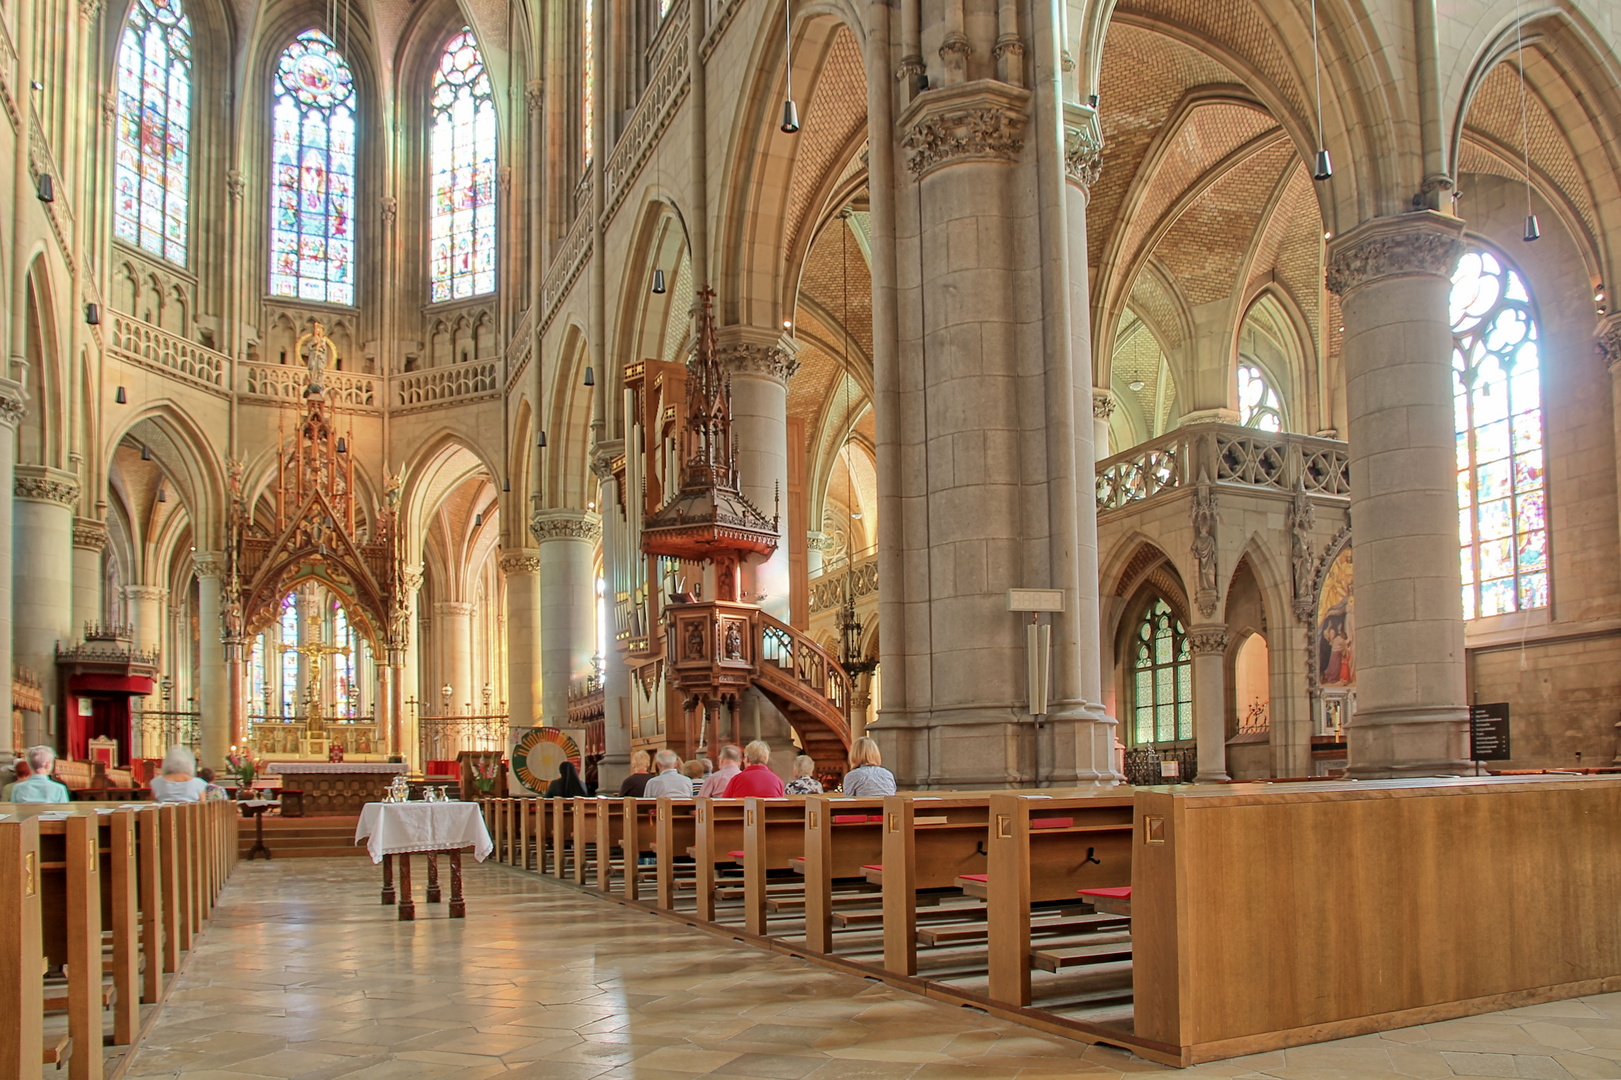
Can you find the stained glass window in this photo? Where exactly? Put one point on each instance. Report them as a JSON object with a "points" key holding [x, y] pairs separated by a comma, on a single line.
{"points": [[1497, 406], [588, 86], [463, 209], [1162, 678], [152, 151], [664, 7], [1258, 404], [289, 658], [345, 694], [256, 675], [312, 181]]}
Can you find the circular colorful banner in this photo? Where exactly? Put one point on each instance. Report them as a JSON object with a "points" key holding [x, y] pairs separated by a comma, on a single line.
{"points": [[538, 752]]}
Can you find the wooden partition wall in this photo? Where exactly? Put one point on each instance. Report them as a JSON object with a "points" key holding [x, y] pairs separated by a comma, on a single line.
{"points": [[1276, 915]]}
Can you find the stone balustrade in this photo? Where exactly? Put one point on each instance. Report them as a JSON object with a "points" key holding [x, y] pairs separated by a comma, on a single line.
{"points": [[286, 382], [827, 588], [1226, 454], [438, 386], [146, 345]]}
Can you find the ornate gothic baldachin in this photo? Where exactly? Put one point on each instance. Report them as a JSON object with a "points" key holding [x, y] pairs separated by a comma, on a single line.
{"points": [[520, 562], [1204, 642], [1412, 252], [565, 525], [747, 358], [985, 124], [45, 488]]}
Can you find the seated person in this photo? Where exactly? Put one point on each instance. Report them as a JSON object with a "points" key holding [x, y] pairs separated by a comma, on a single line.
{"points": [[633, 785], [567, 785], [19, 772], [179, 782], [695, 770], [670, 781], [214, 790], [731, 763], [756, 779], [867, 775], [804, 781], [39, 787]]}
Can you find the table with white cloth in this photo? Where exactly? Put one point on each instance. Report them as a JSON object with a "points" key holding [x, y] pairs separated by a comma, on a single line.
{"points": [[423, 828]]}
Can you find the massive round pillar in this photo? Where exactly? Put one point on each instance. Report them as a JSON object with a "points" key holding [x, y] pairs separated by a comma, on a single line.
{"points": [[522, 571], [453, 628], [89, 541], [760, 363], [11, 412], [1393, 276], [42, 592], [568, 601]]}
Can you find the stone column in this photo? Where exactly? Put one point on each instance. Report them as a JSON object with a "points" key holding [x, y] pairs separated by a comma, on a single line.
{"points": [[388, 732], [568, 602], [1393, 277], [1103, 404], [522, 570], [42, 588], [213, 694], [12, 397], [453, 627], [761, 362], [89, 541], [1208, 644], [1609, 350]]}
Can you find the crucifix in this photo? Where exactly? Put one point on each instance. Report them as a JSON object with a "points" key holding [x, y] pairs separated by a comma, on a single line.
{"points": [[314, 650]]}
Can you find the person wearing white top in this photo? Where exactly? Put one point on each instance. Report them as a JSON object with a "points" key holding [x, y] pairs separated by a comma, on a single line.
{"points": [[867, 776], [179, 782], [669, 781]]}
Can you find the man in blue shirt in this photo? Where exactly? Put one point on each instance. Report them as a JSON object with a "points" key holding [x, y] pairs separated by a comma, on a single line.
{"points": [[39, 787]]}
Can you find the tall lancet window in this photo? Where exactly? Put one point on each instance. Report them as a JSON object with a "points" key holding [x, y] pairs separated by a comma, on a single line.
{"points": [[312, 174], [152, 142], [1162, 677], [463, 210], [588, 70], [1258, 404], [1497, 405]]}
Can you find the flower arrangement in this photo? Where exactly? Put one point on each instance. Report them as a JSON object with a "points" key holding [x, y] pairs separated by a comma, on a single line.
{"points": [[485, 774], [242, 765]]}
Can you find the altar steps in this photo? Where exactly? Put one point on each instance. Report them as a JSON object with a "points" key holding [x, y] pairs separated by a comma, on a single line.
{"points": [[305, 838]]}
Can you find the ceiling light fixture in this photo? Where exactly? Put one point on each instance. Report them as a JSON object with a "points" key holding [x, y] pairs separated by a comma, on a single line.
{"points": [[146, 452], [540, 443], [1324, 168], [1136, 385], [658, 282], [92, 314], [1532, 230], [590, 376], [478, 520], [121, 397], [790, 111], [47, 188]]}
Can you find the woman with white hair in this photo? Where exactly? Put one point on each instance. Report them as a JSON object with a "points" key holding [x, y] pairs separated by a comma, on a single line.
{"points": [[39, 787], [179, 782]]}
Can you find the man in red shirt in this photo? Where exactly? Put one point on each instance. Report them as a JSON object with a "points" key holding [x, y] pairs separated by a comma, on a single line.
{"points": [[756, 779]]}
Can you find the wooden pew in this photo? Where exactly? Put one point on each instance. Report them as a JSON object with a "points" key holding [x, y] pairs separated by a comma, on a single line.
{"points": [[169, 896], [562, 815], [676, 833], [773, 839], [928, 844], [717, 833], [22, 993], [1044, 850], [517, 850], [841, 837], [638, 831], [152, 902], [597, 828]]}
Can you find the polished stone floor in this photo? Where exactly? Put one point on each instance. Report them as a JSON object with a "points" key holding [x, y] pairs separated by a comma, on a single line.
{"points": [[303, 975]]}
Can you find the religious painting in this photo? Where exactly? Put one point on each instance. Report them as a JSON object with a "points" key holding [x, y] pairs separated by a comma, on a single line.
{"points": [[537, 752], [1336, 624]]}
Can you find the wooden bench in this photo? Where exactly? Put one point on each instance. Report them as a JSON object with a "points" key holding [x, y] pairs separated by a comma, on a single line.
{"points": [[561, 813], [841, 837], [1044, 850], [717, 833], [675, 835], [638, 837], [928, 843], [773, 839]]}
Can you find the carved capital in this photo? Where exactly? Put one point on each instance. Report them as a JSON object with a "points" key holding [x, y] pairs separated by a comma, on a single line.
{"points": [[456, 609], [1423, 244], [565, 525], [13, 403], [975, 121], [391, 211], [39, 483], [1203, 641], [89, 9], [235, 184], [146, 594], [1609, 342], [774, 361], [514, 563], [503, 179], [534, 92], [412, 579], [603, 456], [910, 67], [89, 534], [1103, 403], [209, 564], [1083, 145], [956, 49]]}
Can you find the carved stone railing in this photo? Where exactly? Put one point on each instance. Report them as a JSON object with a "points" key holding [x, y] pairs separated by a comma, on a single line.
{"points": [[566, 266], [519, 349], [440, 386], [719, 17], [665, 92], [286, 382], [145, 344], [1226, 454], [827, 589], [8, 76]]}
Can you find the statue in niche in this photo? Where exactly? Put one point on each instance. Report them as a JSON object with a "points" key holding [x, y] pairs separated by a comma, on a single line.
{"points": [[734, 642], [320, 353], [695, 642], [1204, 516]]}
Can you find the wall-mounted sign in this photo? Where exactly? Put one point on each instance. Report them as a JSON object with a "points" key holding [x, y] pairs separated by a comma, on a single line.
{"points": [[1035, 600]]}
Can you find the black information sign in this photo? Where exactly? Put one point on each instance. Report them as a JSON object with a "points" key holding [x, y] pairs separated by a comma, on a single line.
{"points": [[1488, 732]]}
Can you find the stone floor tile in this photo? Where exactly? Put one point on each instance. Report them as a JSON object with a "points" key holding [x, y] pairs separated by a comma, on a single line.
{"points": [[1464, 1064]]}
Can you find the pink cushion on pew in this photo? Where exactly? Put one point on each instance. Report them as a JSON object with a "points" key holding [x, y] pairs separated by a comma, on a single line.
{"points": [[873, 866], [975, 877], [1051, 822], [735, 854], [856, 819], [1118, 892]]}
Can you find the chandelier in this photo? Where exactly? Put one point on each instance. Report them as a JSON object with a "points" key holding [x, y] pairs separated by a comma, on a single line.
{"points": [[851, 657]]}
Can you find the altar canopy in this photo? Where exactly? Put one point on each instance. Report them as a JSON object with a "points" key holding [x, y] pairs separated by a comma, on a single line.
{"points": [[318, 530]]}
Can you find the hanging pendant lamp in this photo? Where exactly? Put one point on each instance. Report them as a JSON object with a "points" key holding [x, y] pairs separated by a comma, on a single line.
{"points": [[1532, 230], [146, 452], [658, 282], [790, 111], [121, 397], [1324, 168], [590, 376], [541, 442]]}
